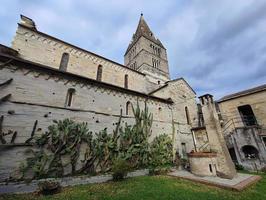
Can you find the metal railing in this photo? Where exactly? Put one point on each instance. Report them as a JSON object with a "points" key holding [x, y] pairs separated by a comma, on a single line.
{"points": [[237, 122]]}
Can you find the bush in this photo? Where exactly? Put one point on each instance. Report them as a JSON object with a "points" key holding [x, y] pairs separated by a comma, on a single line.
{"points": [[120, 169], [239, 167], [161, 151], [263, 169], [49, 187], [184, 163]]}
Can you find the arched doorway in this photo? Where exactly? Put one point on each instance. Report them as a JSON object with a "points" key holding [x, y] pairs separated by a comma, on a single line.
{"points": [[250, 152]]}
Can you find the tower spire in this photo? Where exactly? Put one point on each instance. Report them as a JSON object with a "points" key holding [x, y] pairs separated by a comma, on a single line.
{"points": [[147, 54]]}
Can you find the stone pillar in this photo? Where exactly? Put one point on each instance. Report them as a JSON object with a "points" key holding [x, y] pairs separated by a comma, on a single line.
{"points": [[226, 167]]}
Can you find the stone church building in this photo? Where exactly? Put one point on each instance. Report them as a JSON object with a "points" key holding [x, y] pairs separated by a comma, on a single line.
{"points": [[43, 78]]}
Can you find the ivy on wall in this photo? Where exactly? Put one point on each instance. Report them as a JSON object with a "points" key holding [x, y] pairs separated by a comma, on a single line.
{"points": [[70, 148]]}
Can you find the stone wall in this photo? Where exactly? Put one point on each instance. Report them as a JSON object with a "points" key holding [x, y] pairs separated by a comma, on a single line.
{"points": [[41, 48], [38, 94], [247, 136], [216, 139], [143, 55], [182, 96], [203, 164], [256, 101]]}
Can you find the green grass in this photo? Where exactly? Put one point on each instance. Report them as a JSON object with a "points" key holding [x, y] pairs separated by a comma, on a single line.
{"points": [[149, 187]]}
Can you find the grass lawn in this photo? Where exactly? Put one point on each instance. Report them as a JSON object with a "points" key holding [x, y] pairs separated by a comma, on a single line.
{"points": [[149, 187]]}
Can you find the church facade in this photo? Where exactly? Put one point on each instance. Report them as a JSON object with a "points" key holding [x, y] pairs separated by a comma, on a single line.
{"points": [[44, 78]]}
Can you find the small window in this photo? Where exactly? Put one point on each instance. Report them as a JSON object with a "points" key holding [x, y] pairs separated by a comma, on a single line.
{"points": [[69, 97], [159, 82], [126, 81], [99, 73], [247, 115], [210, 167], [64, 62], [187, 115], [184, 150], [128, 108], [264, 140]]}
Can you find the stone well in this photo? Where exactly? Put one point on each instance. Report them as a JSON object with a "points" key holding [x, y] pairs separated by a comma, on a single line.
{"points": [[203, 163]]}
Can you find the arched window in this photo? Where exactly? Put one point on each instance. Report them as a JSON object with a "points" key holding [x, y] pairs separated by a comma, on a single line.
{"points": [[250, 152], [187, 115], [99, 73], [64, 62], [128, 108], [126, 81], [69, 97]]}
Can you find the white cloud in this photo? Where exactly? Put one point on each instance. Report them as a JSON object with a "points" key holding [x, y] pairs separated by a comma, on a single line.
{"points": [[218, 46]]}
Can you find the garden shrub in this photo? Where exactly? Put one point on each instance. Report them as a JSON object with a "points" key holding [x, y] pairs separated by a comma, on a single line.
{"points": [[263, 169], [239, 167], [184, 163], [56, 153], [49, 187], [161, 151], [120, 169]]}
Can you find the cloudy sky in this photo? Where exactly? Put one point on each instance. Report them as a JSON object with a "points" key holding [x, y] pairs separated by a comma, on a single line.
{"points": [[219, 47]]}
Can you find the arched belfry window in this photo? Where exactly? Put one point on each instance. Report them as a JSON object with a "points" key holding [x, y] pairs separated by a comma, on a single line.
{"points": [[187, 115], [128, 108], [69, 97], [99, 73], [126, 81], [64, 62]]}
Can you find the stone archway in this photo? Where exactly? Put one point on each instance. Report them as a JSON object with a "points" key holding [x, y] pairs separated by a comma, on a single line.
{"points": [[250, 152]]}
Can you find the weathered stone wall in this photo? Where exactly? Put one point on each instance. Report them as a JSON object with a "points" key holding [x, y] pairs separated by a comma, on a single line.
{"points": [[201, 140], [182, 97], [203, 164], [257, 101], [248, 136], [143, 55], [38, 95], [144, 51], [41, 48], [216, 139]]}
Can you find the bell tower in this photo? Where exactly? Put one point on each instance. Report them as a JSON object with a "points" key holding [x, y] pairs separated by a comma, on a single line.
{"points": [[147, 54]]}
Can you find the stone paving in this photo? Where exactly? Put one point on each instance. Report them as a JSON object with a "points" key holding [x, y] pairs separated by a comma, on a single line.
{"points": [[21, 187], [240, 182]]}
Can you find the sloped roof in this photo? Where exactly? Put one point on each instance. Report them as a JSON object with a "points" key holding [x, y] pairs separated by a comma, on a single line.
{"points": [[243, 93], [143, 30]]}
